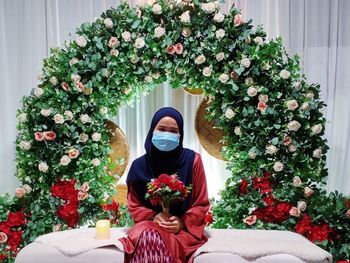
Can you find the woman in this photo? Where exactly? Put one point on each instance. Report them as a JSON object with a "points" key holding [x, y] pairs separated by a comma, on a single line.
{"points": [[155, 237]]}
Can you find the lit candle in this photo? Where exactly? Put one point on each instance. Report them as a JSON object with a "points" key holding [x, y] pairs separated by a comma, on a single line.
{"points": [[103, 229]]}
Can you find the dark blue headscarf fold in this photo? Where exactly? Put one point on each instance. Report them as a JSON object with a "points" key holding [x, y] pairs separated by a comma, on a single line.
{"points": [[155, 162]]}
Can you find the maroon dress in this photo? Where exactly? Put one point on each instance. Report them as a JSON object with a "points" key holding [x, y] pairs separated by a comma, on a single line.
{"points": [[182, 245]]}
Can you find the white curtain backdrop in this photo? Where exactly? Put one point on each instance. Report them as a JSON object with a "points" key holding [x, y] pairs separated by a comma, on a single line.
{"points": [[317, 30]]}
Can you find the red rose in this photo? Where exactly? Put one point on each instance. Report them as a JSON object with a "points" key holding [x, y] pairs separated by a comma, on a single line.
{"points": [[170, 50], [5, 228], [69, 213], [165, 179], [269, 199], [15, 219], [262, 106], [39, 136], [65, 86], [208, 219], [319, 233], [243, 187], [179, 48], [2, 257], [50, 135], [114, 206], [287, 140], [15, 239], [304, 225], [65, 190]]}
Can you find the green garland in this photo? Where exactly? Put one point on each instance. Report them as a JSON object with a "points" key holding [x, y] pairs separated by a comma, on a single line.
{"points": [[271, 116]]}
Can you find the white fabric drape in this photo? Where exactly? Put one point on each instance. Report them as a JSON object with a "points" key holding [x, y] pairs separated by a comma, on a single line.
{"points": [[316, 29]]}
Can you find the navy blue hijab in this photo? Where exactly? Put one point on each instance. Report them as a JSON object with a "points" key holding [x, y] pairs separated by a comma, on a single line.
{"points": [[156, 162]]}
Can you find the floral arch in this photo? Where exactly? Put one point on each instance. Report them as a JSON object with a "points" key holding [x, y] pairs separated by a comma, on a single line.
{"points": [[271, 116]]}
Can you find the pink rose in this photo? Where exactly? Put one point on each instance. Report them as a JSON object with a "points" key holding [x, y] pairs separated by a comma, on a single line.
{"points": [[73, 153], [294, 211], [82, 195], [85, 187], [20, 192], [3, 237], [262, 106], [348, 213], [308, 191], [39, 136], [65, 86], [287, 140], [113, 42], [50, 135], [79, 85], [250, 220], [179, 48], [57, 228], [170, 50], [238, 20]]}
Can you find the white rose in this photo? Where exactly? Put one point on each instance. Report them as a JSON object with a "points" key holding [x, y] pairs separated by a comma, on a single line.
{"points": [[305, 106], [297, 181], [126, 36], [96, 162], [271, 149], [292, 147], [69, 115], [75, 77], [73, 61], [252, 91], [45, 112], [104, 110], [229, 113], [81, 41], [220, 33], [40, 76], [263, 98], [159, 31], [85, 118], [114, 52], [278, 166], [297, 85], [310, 95], [292, 104], [317, 153], [207, 71], [38, 92], [157, 9], [139, 42], [185, 17], [258, 40], [219, 17], [251, 154], [54, 81], [22, 117], [134, 59], [25, 145], [148, 79], [208, 7], [108, 23], [316, 129], [220, 56], [43, 167], [284, 74], [27, 188], [245, 62], [308, 191], [238, 131], [65, 160], [200, 59], [83, 137], [58, 118], [301, 206], [294, 126], [249, 81], [224, 78]]}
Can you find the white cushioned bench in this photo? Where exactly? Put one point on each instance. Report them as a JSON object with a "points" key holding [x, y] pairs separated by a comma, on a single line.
{"points": [[224, 246]]}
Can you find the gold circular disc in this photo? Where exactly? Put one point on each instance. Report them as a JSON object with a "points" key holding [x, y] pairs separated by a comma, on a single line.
{"points": [[209, 136], [193, 91]]}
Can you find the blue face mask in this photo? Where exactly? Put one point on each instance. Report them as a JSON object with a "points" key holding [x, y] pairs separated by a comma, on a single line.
{"points": [[165, 141]]}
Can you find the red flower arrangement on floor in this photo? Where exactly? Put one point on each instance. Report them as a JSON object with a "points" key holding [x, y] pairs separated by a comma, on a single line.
{"points": [[165, 190], [11, 234], [66, 191]]}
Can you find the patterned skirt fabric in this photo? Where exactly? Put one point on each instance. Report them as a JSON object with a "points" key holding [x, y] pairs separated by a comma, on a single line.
{"points": [[151, 249]]}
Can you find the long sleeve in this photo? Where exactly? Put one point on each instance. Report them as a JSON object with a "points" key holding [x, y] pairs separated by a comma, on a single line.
{"points": [[193, 219], [137, 210]]}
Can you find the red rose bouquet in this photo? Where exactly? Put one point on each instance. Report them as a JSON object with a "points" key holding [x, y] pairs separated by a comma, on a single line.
{"points": [[165, 190]]}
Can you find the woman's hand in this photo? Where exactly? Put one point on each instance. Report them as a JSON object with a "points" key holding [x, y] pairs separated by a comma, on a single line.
{"points": [[174, 225], [160, 217]]}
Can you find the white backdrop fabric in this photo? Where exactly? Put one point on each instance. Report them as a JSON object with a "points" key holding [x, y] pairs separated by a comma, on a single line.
{"points": [[317, 30]]}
